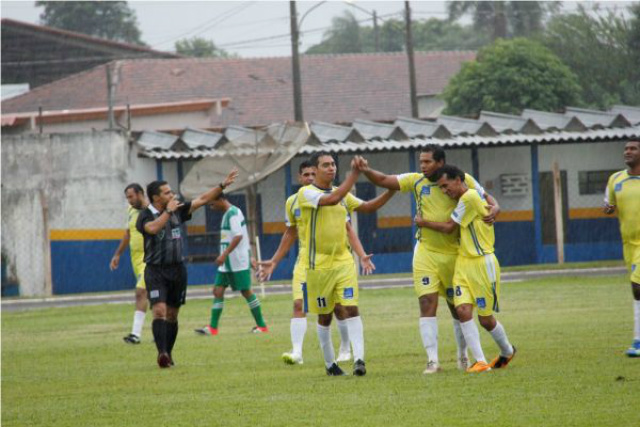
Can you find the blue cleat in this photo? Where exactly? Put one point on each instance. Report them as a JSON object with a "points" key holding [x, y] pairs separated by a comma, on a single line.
{"points": [[634, 350]]}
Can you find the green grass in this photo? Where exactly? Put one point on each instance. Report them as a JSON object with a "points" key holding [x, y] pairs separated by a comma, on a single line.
{"points": [[69, 367]]}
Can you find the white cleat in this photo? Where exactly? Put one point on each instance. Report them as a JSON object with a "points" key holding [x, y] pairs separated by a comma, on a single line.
{"points": [[463, 363], [344, 356], [292, 359], [432, 368]]}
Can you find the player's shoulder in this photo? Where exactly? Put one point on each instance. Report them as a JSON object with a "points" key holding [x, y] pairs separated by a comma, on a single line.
{"points": [[292, 199], [411, 177], [471, 196], [619, 175]]}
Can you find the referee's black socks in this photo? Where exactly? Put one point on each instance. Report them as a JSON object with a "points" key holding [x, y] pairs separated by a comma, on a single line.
{"points": [[160, 329], [172, 334]]}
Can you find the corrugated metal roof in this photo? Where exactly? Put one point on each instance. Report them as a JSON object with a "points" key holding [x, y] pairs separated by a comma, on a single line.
{"points": [[375, 130], [531, 127], [421, 129], [595, 118]]}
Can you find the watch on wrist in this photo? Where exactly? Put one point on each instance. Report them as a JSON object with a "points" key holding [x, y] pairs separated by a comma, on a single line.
{"points": [[222, 186]]}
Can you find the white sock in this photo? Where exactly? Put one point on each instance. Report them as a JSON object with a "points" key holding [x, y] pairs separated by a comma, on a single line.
{"points": [[326, 345], [356, 336], [298, 329], [472, 337], [461, 343], [429, 333], [345, 346], [138, 323], [636, 316], [500, 337]]}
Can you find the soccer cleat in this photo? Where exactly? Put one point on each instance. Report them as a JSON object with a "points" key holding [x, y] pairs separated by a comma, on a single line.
{"points": [[132, 339], [358, 368], [344, 356], [463, 363], [502, 361], [335, 371], [259, 330], [432, 368], [164, 360], [171, 362], [206, 330], [479, 367], [634, 350], [292, 359]]}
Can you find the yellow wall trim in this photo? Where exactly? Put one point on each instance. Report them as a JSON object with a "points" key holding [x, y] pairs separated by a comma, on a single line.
{"points": [[512, 216], [97, 234], [587, 213], [394, 222], [273, 227], [196, 229]]}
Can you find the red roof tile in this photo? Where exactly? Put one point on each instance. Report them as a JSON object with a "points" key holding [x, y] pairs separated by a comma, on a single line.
{"points": [[336, 88]]}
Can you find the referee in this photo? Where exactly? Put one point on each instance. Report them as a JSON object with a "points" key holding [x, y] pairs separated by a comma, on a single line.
{"points": [[165, 274]]}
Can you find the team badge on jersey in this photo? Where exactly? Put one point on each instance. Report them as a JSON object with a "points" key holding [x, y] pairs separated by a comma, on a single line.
{"points": [[426, 191], [449, 293], [175, 233], [617, 187], [426, 281], [348, 293], [296, 213], [481, 302]]}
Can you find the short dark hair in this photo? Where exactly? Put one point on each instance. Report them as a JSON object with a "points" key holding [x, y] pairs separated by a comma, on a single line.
{"points": [[153, 189], [636, 140], [315, 158], [304, 165], [135, 187], [438, 152], [452, 172]]}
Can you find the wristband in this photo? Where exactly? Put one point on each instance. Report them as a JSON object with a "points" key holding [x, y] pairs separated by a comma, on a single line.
{"points": [[222, 186], [168, 211]]}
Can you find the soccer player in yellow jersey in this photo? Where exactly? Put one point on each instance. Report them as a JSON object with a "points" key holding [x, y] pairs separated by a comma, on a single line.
{"points": [[476, 279], [133, 239], [306, 176], [435, 254], [331, 271], [623, 194]]}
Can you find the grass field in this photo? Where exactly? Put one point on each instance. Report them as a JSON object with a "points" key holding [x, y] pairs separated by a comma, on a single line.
{"points": [[69, 367]]}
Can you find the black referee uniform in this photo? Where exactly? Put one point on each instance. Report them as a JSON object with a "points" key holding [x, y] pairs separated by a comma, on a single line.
{"points": [[165, 274]]}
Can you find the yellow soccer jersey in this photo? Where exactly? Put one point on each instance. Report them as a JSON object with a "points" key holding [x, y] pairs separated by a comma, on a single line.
{"points": [[623, 191], [435, 206], [136, 241], [325, 233], [476, 237], [292, 219]]}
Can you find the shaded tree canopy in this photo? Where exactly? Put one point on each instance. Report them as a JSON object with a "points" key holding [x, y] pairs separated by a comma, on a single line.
{"points": [[509, 76], [200, 48], [347, 36], [112, 20], [603, 50], [502, 19]]}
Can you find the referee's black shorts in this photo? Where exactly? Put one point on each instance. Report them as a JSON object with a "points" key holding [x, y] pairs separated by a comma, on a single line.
{"points": [[166, 283]]}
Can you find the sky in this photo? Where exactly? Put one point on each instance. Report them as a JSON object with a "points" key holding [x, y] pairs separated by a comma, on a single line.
{"points": [[249, 28]]}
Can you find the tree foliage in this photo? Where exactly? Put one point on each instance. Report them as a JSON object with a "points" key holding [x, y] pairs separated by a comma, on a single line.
{"points": [[502, 19], [603, 49], [112, 20], [347, 36], [200, 48], [509, 76]]}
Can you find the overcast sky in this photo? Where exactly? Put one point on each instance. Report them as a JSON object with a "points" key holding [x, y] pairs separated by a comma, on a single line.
{"points": [[248, 28]]}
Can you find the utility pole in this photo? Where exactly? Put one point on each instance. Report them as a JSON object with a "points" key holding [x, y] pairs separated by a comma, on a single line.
{"points": [[376, 33], [412, 64], [295, 62]]}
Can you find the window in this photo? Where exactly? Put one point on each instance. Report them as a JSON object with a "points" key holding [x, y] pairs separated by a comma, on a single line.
{"points": [[594, 182]]}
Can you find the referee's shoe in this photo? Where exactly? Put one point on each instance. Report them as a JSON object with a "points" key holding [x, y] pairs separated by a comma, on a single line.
{"points": [[164, 360]]}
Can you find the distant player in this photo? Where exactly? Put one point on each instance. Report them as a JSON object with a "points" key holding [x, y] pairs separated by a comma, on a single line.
{"points": [[306, 176], [477, 273], [132, 237], [331, 277], [623, 194], [435, 254], [234, 266]]}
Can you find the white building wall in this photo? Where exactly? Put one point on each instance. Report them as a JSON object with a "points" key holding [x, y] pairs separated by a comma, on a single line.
{"points": [[497, 161]]}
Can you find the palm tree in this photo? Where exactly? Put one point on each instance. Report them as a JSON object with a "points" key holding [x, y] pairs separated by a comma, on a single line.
{"points": [[502, 19]]}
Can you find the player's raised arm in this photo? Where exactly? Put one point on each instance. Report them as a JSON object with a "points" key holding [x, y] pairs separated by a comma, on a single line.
{"points": [[267, 267], [375, 204], [212, 194], [333, 198], [377, 178]]}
